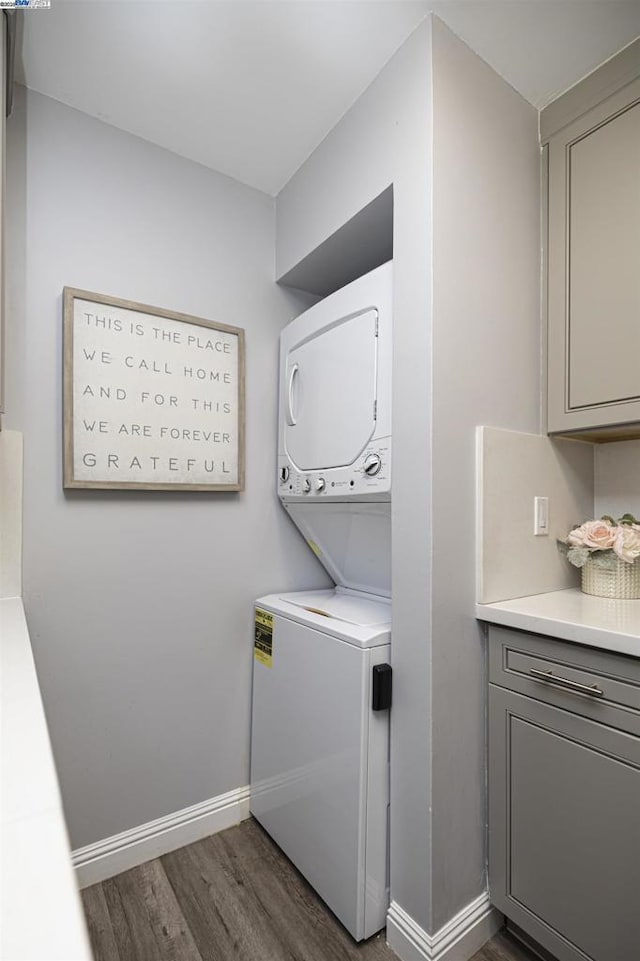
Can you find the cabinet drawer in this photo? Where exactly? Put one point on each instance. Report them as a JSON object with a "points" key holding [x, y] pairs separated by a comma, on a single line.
{"points": [[595, 684]]}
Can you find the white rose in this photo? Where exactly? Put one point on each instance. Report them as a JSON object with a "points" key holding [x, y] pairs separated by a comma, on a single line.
{"points": [[626, 543], [598, 535], [576, 537]]}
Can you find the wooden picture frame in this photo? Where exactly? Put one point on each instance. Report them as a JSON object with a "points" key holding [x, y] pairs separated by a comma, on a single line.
{"points": [[152, 399]]}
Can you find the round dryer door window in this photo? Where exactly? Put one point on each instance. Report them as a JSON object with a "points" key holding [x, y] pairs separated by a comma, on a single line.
{"points": [[331, 393]]}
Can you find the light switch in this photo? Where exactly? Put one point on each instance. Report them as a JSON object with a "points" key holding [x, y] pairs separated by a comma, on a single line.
{"points": [[541, 516]]}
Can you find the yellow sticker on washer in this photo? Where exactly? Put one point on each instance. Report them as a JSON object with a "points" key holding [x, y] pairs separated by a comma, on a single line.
{"points": [[314, 547], [263, 642]]}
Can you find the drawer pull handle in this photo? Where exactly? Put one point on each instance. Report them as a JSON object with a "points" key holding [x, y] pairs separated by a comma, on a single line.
{"points": [[565, 682]]}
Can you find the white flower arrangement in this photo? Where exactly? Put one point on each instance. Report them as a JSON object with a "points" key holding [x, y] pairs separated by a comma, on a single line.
{"points": [[604, 542]]}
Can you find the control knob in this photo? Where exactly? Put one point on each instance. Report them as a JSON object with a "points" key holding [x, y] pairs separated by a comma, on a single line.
{"points": [[306, 485], [372, 464], [321, 484], [284, 475]]}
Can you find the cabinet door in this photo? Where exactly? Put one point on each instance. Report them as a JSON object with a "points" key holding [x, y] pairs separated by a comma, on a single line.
{"points": [[593, 255], [564, 829]]}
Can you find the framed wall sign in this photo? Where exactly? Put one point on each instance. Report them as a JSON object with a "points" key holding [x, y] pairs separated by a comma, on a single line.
{"points": [[153, 400]]}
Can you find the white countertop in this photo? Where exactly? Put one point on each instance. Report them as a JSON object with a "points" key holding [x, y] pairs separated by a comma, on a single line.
{"points": [[40, 911], [572, 616]]}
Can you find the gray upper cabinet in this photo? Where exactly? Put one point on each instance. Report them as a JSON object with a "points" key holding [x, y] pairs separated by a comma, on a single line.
{"points": [[593, 256]]}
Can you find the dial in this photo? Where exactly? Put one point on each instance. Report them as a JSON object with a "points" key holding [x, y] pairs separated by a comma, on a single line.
{"points": [[320, 484], [306, 485], [284, 475], [372, 464]]}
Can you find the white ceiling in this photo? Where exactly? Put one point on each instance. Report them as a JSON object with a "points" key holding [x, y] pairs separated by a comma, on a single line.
{"points": [[251, 87]]}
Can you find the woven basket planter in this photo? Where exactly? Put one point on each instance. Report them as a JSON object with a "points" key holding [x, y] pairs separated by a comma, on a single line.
{"points": [[621, 582]]}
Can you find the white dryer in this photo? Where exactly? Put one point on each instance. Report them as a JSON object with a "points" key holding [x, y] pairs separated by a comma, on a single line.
{"points": [[320, 744], [334, 437]]}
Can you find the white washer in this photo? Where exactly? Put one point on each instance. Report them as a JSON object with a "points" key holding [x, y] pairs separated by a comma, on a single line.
{"points": [[319, 751]]}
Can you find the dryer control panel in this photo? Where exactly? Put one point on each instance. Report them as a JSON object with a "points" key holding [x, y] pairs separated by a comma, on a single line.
{"points": [[369, 478]]}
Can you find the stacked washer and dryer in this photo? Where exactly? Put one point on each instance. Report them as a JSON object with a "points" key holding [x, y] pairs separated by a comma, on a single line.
{"points": [[321, 676]]}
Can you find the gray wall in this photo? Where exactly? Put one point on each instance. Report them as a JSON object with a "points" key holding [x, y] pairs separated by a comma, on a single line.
{"points": [[140, 604], [617, 478], [472, 357], [384, 139], [486, 370]]}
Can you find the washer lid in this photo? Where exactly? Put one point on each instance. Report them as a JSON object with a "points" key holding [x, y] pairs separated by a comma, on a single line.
{"points": [[352, 540], [350, 608], [348, 616]]}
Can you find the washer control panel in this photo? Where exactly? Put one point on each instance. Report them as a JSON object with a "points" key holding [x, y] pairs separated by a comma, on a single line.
{"points": [[370, 475]]}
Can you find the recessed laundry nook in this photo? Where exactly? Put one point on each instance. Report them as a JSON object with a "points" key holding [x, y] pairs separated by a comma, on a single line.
{"points": [[319, 511]]}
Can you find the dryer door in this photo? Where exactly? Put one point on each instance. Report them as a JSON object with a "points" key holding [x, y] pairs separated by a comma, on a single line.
{"points": [[330, 393]]}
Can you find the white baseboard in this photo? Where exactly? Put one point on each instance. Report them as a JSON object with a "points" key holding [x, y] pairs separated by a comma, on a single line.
{"points": [[105, 859], [457, 940]]}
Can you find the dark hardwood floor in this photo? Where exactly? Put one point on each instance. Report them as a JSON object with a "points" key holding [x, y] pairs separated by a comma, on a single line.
{"points": [[231, 896], [504, 948]]}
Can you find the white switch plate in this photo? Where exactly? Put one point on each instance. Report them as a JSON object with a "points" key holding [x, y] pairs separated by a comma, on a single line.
{"points": [[541, 516]]}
